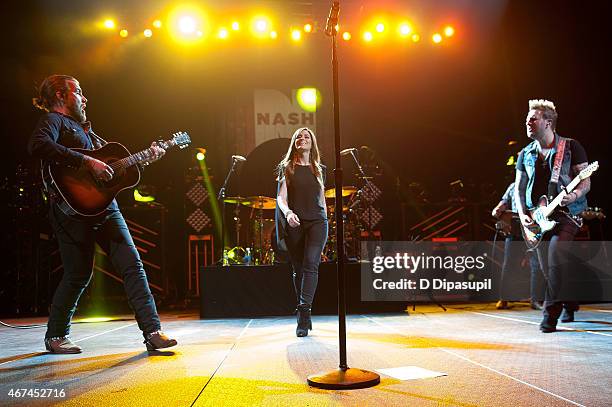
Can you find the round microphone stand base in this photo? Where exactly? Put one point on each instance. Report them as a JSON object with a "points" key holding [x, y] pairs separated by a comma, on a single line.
{"points": [[342, 379]]}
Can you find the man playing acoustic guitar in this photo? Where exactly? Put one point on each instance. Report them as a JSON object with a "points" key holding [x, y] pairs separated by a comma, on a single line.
{"points": [[543, 169], [61, 128]]}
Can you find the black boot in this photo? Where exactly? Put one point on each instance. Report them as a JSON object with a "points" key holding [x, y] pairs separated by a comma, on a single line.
{"points": [[303, 320]]}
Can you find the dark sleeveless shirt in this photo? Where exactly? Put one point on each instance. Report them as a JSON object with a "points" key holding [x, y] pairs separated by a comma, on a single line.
{"points": [[304, 194]]}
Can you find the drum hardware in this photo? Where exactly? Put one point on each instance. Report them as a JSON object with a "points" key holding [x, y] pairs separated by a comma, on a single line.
{"points": [[262, 247]]}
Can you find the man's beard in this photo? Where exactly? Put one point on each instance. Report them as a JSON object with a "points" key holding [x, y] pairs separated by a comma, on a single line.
{"points": [[79, 114]]}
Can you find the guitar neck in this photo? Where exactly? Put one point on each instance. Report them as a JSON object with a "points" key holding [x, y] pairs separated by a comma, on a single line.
{"points": [[142, 156], [557, 201]]}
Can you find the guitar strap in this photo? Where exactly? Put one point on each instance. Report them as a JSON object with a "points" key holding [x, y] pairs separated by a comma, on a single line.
{"points": [[556, 170]]}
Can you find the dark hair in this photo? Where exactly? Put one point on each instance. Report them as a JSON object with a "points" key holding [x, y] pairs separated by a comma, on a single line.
{"points": [[47, 98]]}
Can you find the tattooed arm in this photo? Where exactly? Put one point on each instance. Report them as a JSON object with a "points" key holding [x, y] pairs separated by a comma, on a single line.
{"points": [[581, 189], [520, 187]]}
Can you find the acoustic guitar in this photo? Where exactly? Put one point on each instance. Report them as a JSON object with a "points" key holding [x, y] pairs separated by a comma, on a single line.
{"points": [[87, 196]]}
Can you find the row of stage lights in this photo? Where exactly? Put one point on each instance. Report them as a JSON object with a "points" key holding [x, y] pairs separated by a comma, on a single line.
{"points": [[191, 28]]}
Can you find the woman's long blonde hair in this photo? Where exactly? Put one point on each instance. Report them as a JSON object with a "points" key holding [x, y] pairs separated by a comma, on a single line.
{"points": [[286, 168]]}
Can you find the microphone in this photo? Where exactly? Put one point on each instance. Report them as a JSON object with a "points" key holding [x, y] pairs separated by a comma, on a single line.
{"points": [[332, 19], [347, 151], [238, 158]]}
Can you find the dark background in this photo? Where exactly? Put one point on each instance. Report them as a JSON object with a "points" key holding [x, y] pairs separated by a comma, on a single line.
{"points": [[432, 114]]}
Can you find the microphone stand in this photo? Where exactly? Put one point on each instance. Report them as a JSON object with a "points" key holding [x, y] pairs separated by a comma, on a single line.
{"points": [[221, 197], [343, 378]]}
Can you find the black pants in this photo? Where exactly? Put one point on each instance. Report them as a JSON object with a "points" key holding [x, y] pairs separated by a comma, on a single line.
{"points": [[77, 239], [554, 260], [305, 244], [514, 253]]}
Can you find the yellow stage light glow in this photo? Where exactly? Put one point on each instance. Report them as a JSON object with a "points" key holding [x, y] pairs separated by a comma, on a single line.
{"points": [[96, 319], [367, 36], [436, 38], [148, 33], [273, 35], [187, 25], [404, 29], [296, 35], [157, 23], [380, 27], [416, 38], [123, 33], [346, 36], [235, 26], [308, 27], [138, 197], [308, 99], [261, 25], [449, 31], [223, 33], [108, 23]]}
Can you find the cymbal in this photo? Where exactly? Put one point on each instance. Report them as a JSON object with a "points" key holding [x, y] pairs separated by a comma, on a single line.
{"points": [[346, 191], [235, 199], [331, 208], [260, 202]]}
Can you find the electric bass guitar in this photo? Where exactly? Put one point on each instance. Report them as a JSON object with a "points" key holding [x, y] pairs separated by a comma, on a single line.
{"points": [[533, 234], [85, 195]]}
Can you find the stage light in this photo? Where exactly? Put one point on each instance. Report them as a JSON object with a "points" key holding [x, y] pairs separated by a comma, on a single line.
{"points": [[308, 99], [404, 29], [223, 33], [110, 24], [200, 156], [510, 161], [261, 25], [157, 23], [436, 38], [123, 33], [367, 36], [449, 31], [308, 28], [187, 25], [380, 27], [346, 36], [416, 38], [138, 197], [273, 35], [235, 26], [148, 33], [296, 35]]}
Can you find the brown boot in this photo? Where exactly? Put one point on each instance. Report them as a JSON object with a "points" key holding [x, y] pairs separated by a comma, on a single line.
{"points": [[501, 304], [62, 345], [158, 340]]}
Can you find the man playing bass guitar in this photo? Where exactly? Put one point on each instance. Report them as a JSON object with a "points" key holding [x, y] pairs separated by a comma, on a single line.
{"points": [[543, 169], [64, 126]]}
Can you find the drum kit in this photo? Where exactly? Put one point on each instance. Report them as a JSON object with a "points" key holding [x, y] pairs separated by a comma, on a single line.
{"points": [[260, 237]]}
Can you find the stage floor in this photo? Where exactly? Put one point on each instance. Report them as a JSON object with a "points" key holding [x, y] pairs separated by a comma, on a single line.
{"points": [[490, 358]]}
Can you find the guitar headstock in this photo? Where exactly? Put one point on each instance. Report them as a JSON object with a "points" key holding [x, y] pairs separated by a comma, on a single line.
{"points": [[180, 139], [588, 171]]}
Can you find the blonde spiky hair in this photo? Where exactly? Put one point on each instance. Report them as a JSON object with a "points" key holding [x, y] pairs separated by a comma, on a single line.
{"points": [[548, 109]]}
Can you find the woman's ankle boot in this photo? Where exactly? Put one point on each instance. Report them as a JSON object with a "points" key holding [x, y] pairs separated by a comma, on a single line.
{"points": [[304, 322]]}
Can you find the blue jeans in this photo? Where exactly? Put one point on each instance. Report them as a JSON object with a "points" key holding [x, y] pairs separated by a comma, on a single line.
{"points": [[305, 244], [77, 239]]}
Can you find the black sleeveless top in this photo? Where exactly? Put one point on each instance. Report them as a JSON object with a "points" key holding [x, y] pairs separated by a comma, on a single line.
{"points": [[304, 194]]}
